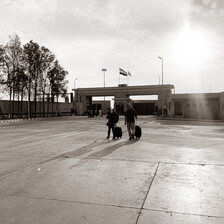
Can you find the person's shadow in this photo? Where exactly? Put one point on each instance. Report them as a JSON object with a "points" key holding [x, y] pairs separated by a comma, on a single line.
{"points": [[110, 149]]}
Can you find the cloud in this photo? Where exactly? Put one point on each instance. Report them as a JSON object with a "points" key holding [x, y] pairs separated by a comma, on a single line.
{"points": [[209, 5], [93, 19], [209, 15], [87, 35]]}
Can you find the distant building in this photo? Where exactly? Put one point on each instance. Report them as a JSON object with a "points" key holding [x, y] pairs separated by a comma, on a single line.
{"points": [[121, 94], [198, 106], [192, 106]]}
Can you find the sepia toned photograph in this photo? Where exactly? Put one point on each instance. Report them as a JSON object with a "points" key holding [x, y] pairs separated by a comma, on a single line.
{"points": [[111, 112]]}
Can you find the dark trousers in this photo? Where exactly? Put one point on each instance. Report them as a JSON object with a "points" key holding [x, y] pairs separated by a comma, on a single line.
{"points": [[109, 129]]}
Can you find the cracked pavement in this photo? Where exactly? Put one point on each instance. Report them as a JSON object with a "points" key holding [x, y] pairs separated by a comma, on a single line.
{"points": [[66, 171]]}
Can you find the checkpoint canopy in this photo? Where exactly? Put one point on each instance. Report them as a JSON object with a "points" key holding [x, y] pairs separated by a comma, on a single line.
{"points": [[121, 93]]}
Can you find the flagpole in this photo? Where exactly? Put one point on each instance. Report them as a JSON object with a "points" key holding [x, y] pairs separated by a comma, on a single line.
{"points": [[119, 80], [124, 73], [104, 70]]}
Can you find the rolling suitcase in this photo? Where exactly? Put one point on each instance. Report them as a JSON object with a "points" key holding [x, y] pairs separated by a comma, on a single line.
{"points": [[138, 132], [117, 132]]}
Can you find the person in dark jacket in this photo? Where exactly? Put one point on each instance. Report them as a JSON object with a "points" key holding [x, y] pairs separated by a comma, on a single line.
{"points": [[130, 116], [113, 118]]}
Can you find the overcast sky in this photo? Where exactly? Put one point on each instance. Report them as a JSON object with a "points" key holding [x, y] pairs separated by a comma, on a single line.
{"points": [[88, 35]]}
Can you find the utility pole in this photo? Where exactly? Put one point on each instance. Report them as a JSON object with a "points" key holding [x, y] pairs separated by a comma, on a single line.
{"points": [[162, 87], [104, 70]]}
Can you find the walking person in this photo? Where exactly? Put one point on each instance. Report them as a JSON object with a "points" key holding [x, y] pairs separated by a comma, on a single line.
{"points": [[113, 118], [89, 113], [130, 116]]}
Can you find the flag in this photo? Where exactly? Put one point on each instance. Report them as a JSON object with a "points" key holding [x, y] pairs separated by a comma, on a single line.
{"points": [[123, 72], [129, 73]]}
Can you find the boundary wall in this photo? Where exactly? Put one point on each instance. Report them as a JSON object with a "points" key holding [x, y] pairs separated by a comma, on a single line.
{"points": [[19, 109]]}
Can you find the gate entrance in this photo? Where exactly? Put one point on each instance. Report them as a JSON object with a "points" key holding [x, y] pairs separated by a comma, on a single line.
{"points": [[122, 95], [144, 108]]}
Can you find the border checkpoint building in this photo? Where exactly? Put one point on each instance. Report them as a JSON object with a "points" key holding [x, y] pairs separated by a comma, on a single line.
{"points": [[192, 106]]}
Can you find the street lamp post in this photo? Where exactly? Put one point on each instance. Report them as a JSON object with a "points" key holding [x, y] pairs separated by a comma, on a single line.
{"points": [[104, 70], [159, 79], [75, 85], [162, 87], [74, 95]]}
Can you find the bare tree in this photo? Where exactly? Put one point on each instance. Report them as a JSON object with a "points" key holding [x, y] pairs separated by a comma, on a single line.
{"points": [[58, 82], [30, 70], [46, 63], [12, 62]]}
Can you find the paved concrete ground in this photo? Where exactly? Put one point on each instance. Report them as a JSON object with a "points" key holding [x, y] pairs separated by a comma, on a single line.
{"points": [[64, 171]]}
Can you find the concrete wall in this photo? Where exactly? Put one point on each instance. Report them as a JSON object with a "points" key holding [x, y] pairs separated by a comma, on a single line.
{"points": [[221, 102], [80, 108], [202, 109], [21, 109], [196, 106]]}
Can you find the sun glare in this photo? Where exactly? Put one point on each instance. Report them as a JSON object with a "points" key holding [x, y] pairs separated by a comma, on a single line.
{"points": [[191, 49]]}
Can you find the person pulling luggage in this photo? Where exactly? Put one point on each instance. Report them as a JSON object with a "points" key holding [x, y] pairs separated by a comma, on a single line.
{"points": [[113, 118], [130, 116]]}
